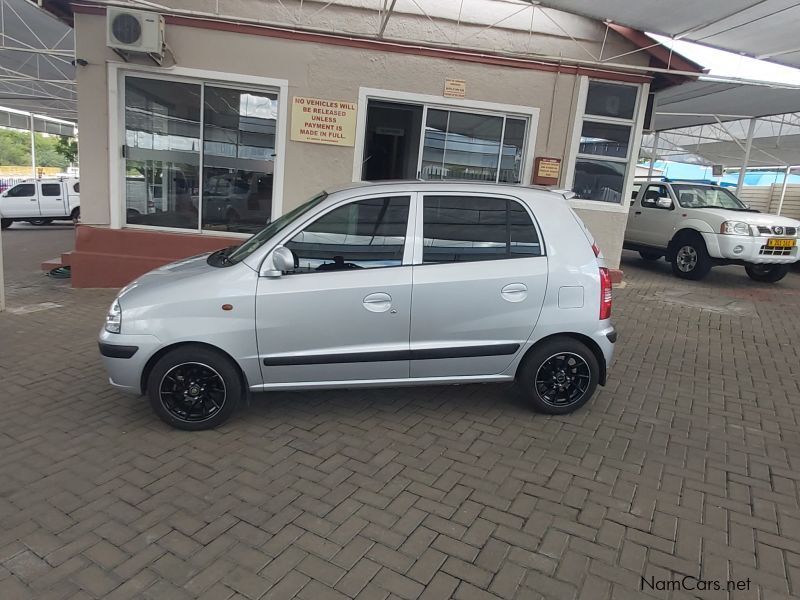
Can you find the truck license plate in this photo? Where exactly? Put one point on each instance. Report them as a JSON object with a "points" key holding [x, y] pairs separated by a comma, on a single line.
{"points": [[780, 243]]}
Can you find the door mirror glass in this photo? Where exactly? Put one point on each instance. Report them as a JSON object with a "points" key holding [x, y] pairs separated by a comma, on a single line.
{"points": [[664, 203]]}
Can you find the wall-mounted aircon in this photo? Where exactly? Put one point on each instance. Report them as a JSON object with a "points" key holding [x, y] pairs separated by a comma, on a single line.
{"points": [[134, 31]]}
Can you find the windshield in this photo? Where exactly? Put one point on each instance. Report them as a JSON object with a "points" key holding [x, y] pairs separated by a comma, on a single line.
{"points": [[706, 196], [255, 242]]}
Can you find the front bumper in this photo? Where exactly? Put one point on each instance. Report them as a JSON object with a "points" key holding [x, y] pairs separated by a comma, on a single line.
{"points": [[749, 249], [125, 356]]}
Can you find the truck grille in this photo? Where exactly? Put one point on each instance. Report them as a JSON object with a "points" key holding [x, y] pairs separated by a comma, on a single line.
{"points": [[766, 251], [777, 230]]}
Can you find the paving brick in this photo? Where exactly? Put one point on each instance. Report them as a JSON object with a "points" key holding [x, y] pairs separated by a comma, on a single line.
{"points": [[684, 460]]}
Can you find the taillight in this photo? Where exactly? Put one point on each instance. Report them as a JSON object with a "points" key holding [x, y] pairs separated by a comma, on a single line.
{"points": [[605, 294]]}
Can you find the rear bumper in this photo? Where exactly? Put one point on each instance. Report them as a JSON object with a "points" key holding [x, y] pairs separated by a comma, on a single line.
{"points": [[605, 338]]}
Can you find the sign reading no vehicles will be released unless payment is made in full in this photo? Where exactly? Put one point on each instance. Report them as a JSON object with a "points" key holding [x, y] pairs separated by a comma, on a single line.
{"points": [[323, 121]]}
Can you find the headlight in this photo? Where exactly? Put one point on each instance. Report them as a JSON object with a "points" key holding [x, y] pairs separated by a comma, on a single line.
{"points": [[114, 318], [735, 228]]}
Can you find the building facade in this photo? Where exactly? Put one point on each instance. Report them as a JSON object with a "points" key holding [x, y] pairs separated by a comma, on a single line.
{"points": [[244, 119]]}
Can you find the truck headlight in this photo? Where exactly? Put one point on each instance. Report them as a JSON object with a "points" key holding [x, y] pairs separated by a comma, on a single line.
{"points": [[114, 318], [735, 228]]}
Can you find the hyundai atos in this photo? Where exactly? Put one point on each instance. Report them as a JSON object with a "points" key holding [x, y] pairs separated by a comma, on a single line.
{"points": [[402, 283]]}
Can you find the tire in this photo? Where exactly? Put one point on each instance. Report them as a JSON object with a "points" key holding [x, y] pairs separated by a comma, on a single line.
{"points": [[5, 223], [75, 215], [177, 386], [40, 222], [650, 255], [767, 273], [552, 363], [690, 258]]}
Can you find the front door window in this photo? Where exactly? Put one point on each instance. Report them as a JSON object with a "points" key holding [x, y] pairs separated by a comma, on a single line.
{"points": [[361, 235]]}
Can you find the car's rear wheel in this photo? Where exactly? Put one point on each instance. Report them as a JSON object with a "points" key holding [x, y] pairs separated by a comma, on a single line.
{"points": [[559, 375], [690, 258], [194, 388], [766, 273], [650, 255], [5, 223], [40, 222], [75, 215]]}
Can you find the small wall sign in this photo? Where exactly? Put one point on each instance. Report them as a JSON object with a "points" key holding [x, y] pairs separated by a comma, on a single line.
{"points": [[455, 88], [546, 171], [323, 121]]}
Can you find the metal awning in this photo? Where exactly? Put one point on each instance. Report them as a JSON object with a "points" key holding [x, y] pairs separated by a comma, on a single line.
{"points": [[765, 29], [36, 53]]}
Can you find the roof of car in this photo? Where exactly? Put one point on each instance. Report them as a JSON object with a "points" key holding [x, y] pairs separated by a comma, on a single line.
{"points": [[439, 184]]}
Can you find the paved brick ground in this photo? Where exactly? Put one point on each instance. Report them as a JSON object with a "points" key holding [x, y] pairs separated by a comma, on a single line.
{"points": [[686, 464]]}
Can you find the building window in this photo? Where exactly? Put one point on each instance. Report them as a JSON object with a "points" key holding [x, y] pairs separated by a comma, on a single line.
{"points": [[606, 136], [198, 156], [408, 141]]}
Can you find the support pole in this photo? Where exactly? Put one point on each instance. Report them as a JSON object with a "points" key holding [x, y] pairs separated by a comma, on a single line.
{"points": [[747, 146], [2, 278], [653, 155], [783, 188], [33, 148]]}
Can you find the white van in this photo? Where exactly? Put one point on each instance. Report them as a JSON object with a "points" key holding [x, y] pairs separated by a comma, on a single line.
{"points": [[40, 201]]}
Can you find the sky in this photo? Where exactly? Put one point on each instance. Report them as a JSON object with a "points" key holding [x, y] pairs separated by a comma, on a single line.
{"points": [[729, 64]]}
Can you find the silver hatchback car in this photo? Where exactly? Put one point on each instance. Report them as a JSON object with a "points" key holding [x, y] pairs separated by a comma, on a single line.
{"points": [[402, 283]]}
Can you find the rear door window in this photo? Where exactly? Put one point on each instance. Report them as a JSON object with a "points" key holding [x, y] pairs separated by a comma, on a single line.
{"points": [[51, 189], [475, 228]]}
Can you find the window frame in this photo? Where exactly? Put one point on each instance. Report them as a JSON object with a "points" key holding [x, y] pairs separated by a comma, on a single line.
{"points": [[419, 240], [574, 154], [408, 243], [117, 72], [528, 113], [42, 184], [33, 185]]}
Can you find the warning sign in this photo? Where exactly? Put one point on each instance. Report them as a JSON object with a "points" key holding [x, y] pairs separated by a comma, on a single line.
{"points": [[323, 121]]}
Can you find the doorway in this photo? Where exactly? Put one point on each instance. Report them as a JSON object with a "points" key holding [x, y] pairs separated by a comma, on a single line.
{"points": [[391, 146]]}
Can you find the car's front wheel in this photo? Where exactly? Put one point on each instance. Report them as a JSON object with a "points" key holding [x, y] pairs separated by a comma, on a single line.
{"points": [[690, 258], [766, 273], [5, 223], [194, 388], [559, 375]]}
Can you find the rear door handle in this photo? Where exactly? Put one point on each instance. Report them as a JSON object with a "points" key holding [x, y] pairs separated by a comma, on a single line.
{"points": [[638, 212], [514, 292], [377, 302]]}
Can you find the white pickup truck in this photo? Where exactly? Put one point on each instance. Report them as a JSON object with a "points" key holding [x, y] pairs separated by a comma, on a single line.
{"points": [[696, 226], [40, 201]]}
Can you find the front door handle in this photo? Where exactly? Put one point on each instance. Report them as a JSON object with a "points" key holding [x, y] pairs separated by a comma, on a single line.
{"points": [[377, 302], [638, 212], [514, 292]]}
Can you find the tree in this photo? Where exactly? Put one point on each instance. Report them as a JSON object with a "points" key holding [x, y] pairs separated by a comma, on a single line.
{"points": [[68, 148], [15, 149]]}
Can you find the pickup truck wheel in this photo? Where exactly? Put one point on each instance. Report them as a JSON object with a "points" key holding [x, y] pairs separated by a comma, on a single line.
{"points": [[5, 223], [650, 255], [559, 376], [766, 273], [194, 388], [40, 222], [75, 215], [690, 259]]}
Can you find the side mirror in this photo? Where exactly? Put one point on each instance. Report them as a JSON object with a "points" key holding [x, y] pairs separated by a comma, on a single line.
{"points": [[281, 260], [664, 203]]}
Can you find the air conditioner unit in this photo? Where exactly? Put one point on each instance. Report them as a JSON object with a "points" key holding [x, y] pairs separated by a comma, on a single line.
{"points": [[134, 31]]}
